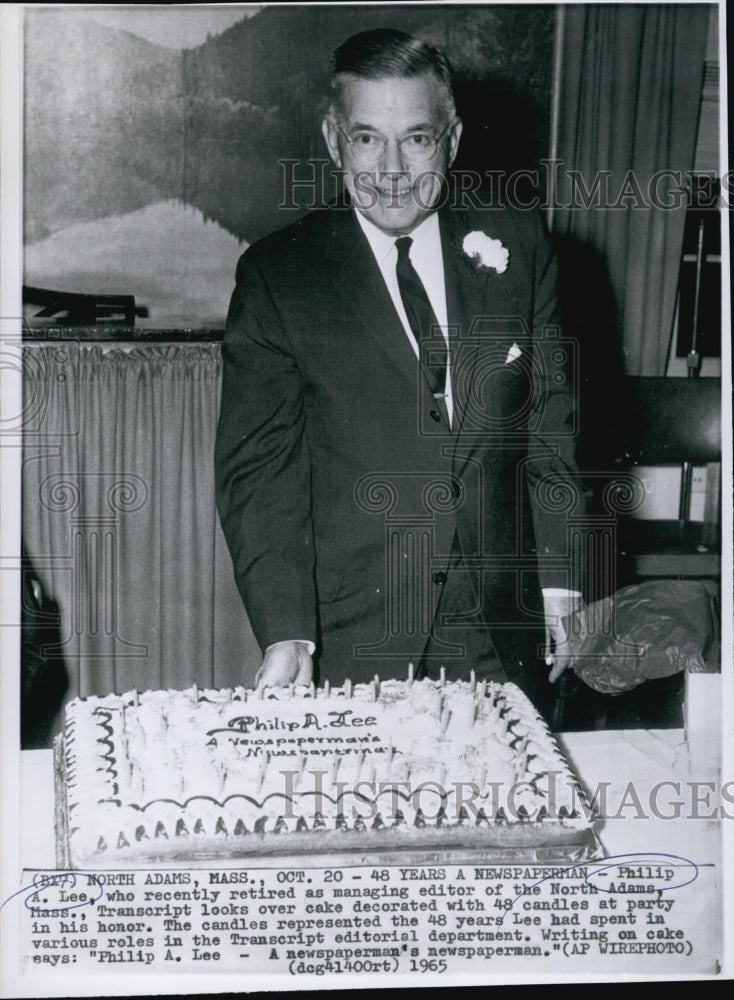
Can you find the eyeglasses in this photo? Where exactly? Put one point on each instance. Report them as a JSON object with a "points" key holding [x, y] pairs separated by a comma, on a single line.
{"points": [[415, 147]]}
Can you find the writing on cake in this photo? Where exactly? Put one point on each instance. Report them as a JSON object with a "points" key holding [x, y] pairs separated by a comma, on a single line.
{"points": [[237, 734]]}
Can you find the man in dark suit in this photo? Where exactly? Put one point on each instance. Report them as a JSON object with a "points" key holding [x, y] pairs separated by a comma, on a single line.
{"points": [[395, 448]]}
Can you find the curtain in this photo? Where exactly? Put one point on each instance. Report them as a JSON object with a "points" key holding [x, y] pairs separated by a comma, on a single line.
{"points": [[630, 87], [119, 519]]}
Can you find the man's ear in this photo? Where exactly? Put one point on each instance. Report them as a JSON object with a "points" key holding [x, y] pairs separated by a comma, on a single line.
{"points": [[454, 137], [331, 137]]}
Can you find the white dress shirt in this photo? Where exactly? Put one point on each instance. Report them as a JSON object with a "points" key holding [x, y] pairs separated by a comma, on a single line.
{"points": [[426, 257]]}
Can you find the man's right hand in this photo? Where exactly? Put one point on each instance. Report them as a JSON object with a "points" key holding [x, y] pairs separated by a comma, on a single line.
{"points": [[285, 662]]}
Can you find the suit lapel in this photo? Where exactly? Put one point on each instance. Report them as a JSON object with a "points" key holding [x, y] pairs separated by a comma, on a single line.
{"points": [[478, 304], [465, 297], [363, 292], [472, 291]]}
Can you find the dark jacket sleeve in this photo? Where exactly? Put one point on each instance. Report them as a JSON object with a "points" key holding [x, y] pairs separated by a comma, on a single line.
{"points": [[262, 465], [557, 495]]}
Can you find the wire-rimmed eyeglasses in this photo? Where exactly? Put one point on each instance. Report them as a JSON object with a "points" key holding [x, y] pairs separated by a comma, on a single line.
{"points": [[415, 147]]}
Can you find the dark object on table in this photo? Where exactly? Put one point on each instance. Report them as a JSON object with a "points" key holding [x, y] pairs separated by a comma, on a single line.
{"points": [[643, 632], [632, 652]]}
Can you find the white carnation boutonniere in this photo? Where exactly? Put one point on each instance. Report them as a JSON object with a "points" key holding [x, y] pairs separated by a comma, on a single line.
{"points": [[486, 252]]}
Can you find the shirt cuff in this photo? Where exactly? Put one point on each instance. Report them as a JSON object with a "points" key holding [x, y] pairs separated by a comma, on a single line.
{"points": [[561, 592], [307, 642]]}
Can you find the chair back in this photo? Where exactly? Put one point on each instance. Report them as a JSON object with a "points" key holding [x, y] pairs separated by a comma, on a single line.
{"points": [[665, 421], [668, 422]]}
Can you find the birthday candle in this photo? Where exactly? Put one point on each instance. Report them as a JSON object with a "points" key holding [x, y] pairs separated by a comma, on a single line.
{"points": [[263, 766]]}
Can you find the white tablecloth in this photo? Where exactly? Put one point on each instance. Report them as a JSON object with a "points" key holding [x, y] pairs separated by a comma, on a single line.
{"points": [[643, 774]]}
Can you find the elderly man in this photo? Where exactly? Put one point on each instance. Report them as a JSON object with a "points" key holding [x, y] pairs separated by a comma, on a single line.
{"points": [[396, 425]]}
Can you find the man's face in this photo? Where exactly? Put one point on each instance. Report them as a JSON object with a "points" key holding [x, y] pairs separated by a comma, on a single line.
{"points": [[393, 183]]}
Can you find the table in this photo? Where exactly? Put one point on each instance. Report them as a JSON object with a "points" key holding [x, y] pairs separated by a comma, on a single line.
{"points": [[640, 773], [643, 773]]}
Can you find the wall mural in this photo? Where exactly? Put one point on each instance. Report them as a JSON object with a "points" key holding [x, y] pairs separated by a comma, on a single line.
{"points": [[152, 136]]}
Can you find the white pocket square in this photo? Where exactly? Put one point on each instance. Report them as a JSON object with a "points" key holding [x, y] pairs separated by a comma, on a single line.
{"points": [[514, 352]]}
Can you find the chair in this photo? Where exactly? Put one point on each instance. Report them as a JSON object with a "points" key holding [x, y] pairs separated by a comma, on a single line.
{"points": [[671, 422]]}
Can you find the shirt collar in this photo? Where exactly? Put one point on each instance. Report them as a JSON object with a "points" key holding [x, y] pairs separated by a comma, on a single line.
{"points": [[424, 236]]}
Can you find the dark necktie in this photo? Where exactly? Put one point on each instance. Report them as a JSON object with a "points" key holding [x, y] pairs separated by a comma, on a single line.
{"points": [[421, 317]]}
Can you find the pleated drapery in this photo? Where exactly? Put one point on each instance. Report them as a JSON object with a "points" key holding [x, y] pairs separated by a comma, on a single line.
{"points": [[630, 90], [119, 517]]}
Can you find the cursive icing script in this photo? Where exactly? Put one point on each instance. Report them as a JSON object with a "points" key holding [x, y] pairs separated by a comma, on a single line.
{"points": [[337, 720]]}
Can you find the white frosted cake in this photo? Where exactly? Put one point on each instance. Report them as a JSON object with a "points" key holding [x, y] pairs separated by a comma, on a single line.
{"points": [[181, 776]]}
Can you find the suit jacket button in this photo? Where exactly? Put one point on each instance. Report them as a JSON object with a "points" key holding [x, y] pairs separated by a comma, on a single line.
{"points": [[439, 577], [435, 415]]}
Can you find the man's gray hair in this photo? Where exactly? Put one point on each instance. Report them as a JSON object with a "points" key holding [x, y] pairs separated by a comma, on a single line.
{"points": [[386, 52]]}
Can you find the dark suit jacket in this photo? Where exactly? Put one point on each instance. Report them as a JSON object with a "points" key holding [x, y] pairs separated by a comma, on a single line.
{"points": [[343, 493]]}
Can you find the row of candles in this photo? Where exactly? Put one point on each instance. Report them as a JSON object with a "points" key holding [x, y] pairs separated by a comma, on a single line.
{"points": [[242, 693]]}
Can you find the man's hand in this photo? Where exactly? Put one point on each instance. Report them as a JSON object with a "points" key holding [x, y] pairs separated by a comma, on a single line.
{"points": [[284, 662], [557, 606]]}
